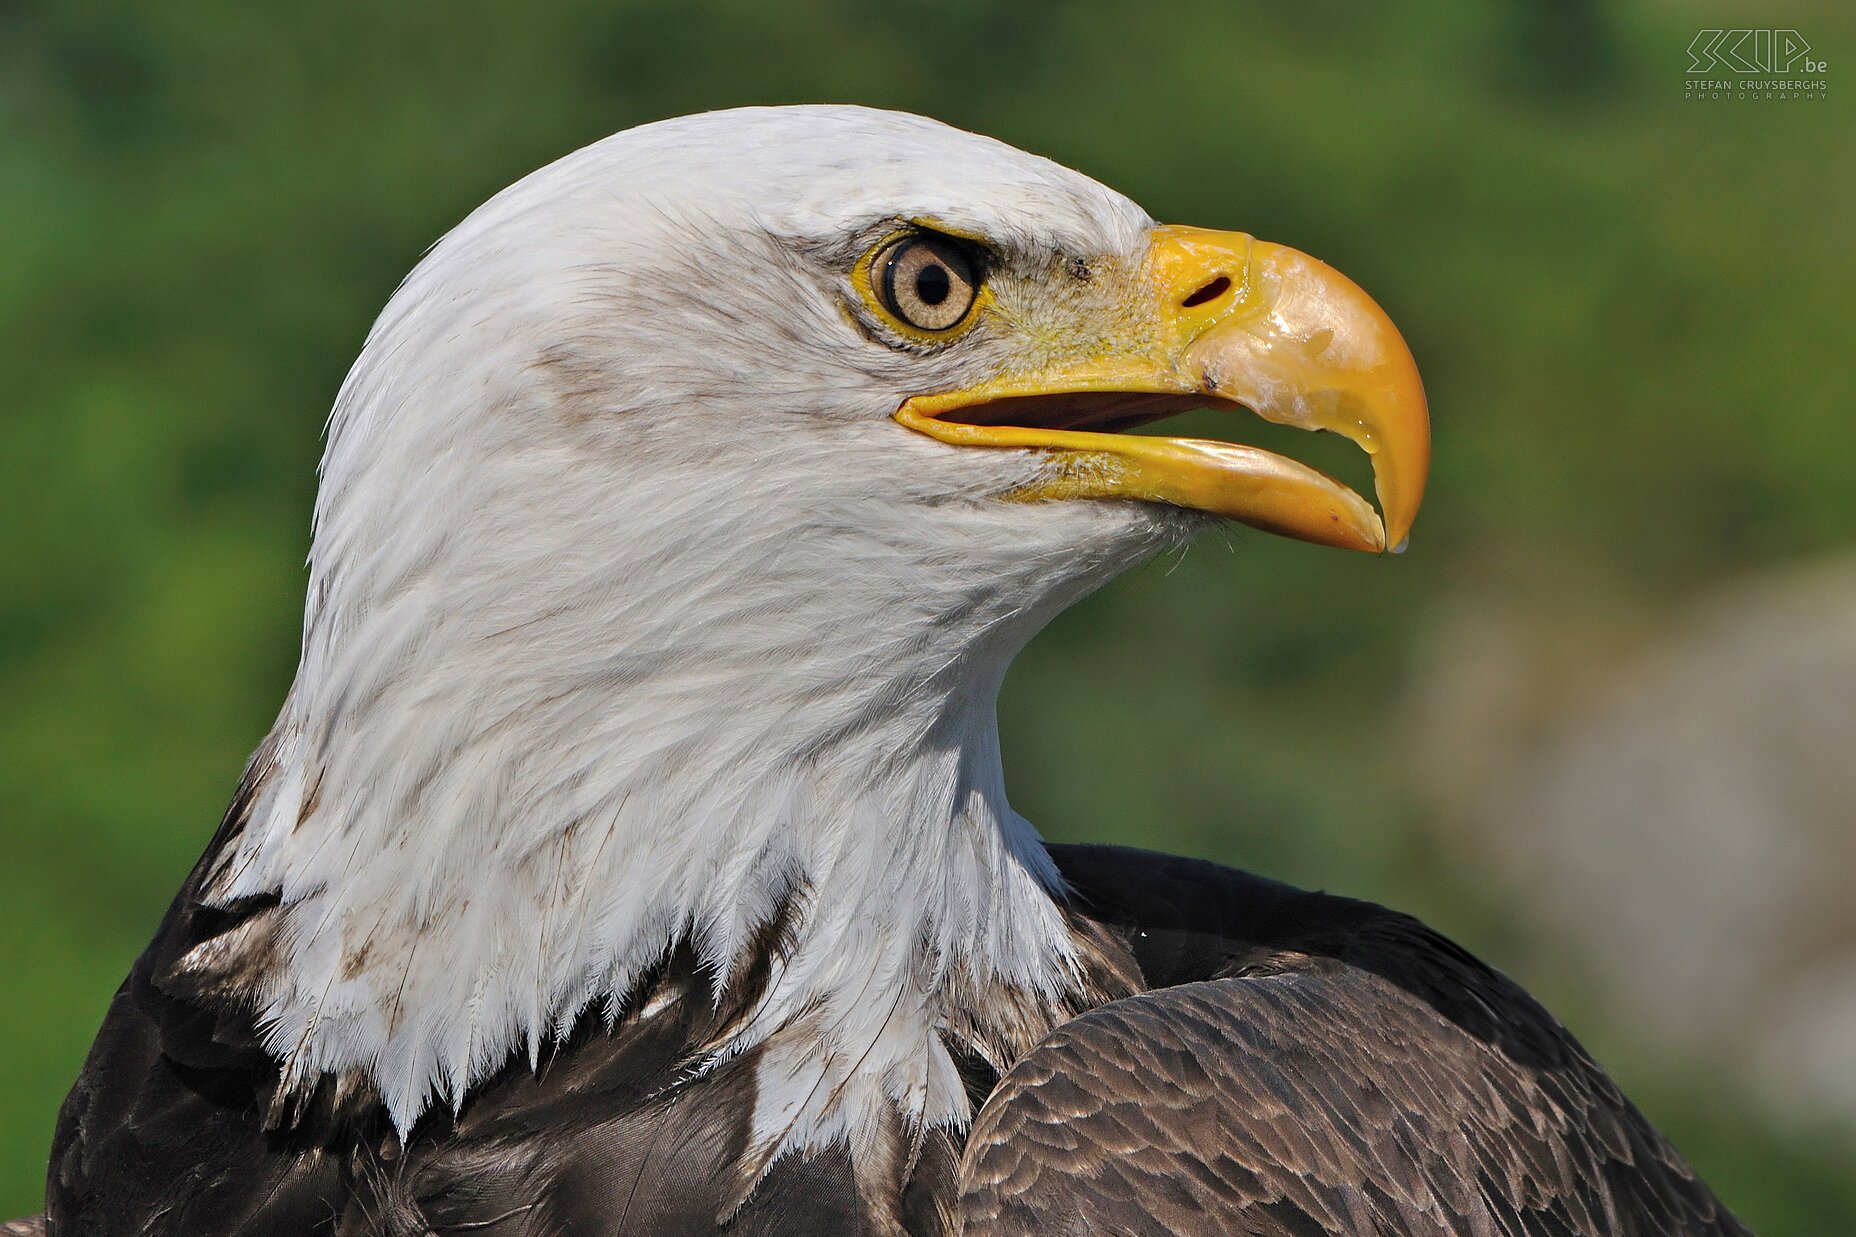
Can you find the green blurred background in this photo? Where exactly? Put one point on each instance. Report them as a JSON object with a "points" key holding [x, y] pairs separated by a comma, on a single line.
{"points": [[1633, 311]]}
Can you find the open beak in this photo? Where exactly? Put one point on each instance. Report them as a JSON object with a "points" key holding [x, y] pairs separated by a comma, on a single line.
{"points": [[1222, 320]]}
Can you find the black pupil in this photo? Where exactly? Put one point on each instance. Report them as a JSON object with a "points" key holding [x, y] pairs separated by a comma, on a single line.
{"points": [[932, 284]]}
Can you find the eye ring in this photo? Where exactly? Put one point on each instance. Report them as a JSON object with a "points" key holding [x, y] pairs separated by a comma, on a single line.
{"points": [[927, 282]]}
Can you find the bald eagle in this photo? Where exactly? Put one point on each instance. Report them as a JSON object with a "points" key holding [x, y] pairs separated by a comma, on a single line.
{"points": [[632, 854]]}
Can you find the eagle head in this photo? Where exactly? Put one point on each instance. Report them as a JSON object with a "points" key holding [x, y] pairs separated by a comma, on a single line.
{"points": [[677, 524]]}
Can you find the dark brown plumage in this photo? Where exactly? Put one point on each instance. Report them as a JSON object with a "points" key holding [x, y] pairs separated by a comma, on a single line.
{"points": [[1307, 1064], [1294, 1063]]}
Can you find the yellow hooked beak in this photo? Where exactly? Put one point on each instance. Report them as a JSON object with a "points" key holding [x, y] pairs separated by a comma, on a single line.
{"points": [[1224, 320]]}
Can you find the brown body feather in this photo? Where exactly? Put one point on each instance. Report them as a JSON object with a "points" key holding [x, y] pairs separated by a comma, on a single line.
{"points": [[1292, 1063]]}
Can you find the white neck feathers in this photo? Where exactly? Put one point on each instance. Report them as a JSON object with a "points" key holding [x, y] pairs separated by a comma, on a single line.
{"points": [[611, 646]]}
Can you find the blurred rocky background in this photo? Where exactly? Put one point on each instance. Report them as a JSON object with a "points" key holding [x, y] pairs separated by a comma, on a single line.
{"points": [[1599, 724]]}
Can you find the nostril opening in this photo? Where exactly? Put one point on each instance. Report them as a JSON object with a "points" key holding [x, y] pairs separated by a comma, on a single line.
{"points": [[1210, 292]]}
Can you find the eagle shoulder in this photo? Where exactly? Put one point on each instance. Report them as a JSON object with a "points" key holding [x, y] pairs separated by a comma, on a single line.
{"points": [[1301, 1064]]}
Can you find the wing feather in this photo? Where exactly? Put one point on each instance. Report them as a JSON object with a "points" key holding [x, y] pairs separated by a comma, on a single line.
{"points": [[1342, 1070]]}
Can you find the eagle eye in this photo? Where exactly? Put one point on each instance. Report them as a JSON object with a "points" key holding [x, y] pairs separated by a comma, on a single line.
{"points": [[926, 281]]}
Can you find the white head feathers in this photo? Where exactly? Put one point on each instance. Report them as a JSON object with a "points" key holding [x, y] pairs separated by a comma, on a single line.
{"points": [[630, 608]]}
